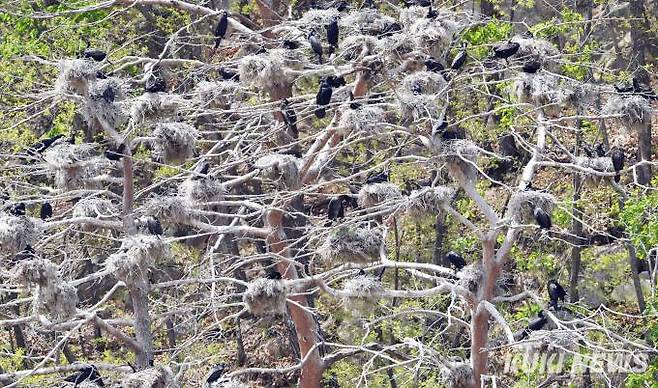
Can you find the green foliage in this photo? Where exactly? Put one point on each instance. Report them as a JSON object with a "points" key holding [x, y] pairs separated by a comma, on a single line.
{"points": [[482, 35], [640, 220]]}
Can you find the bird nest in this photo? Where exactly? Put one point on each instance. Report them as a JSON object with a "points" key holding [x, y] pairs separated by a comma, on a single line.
{"points": [[522, 205], [218, 95], [426, 81], [361, 294], [433, 36], [155, 107], [470, 276], [137, 254], [265, 297], [318, 17], [100, 208], [539, 50], [174, 142], [170, 210], [408, 16], [75, 76], [378, 193], [35, 272], [352, 244], [198, 191], [460, 157], [16, 233], [428, 200], [264, 71], [601, 164], [368, 119], [552, 340], [366, 21], [456, 374], [393, 48], [160, 376], [281, 168], [415, 107], [635, 111], [358, 46], [74, 165], [97, 106], [542, 90]]}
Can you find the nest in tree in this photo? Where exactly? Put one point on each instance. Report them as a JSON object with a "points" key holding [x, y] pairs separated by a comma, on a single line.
{"points": [[16, 233], [352, 244], [74, 165], [428, 201], [174, 142], [470, 276], [552, 340], [100, 208], [539, 50], [265, 71], [218, 95], [415, 107], [75, 76], [433, 36], [522, 205], [282, 168], [460, 157], [35, 272], [155, 107], [157, 377], [358, 46], [101, 103], [602, 164], [265, 297], [635, 111], [318, 17], [456, 374], [410, 15], [424, 82], [368, 119], [377, 193], [170, 210], [542, 90], [137, 254], [362, 294], [394, 48], [198, 191], [366, 21], [580, 95]]}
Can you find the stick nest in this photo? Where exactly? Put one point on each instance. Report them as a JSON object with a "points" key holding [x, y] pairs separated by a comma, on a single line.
{"points": [[361, 294], [16, 233], [522, 205], [426, 81], [170, 210], [137, 254], [366, 21], [428, 200], [635, 111], [352, 244], [74, 165], [97, 107], [266, 71], [174, 142], [75, 75], [357, 46], [156, 107], [265, 297], [470, 276], [281, 168], [198, 191], [432, 36], [415, 107], [602, 164], [157, 377], [460, 157], [378, 193], [366, 119], [542, 90], [456, 374], [539, 50], [218, 95]]}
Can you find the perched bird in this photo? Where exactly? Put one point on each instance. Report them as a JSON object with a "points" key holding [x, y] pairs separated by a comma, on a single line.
{"points": [[617, 156], [336, 209], [217, 373], [89, 372], [542, 218], [508, 146], [290, 44], [555, 292], [274, 275], [228, 74], [315, 45], [600, 150], [531, 66], [46, 211], [289, 116], [375, 177], [391, 29], [431, 13], [456, 260], [506, 50], [152, 225], [332, 32], [459, 59], [353, 105], [323, 98], [96, 55], [433, 65], [44, 144], [342, 6], [336, 81], [643, 89], [17, 209], [201, 170], [155, 84], [25, 254], [534, 325], [108, 95], [117, 154], [220, 30]]}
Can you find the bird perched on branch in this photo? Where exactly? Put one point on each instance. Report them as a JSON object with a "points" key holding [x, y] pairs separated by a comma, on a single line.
{"points": [[617, 156], [391, 29], [460, 58], [115, 154], [228, 74], [542, 218], [155, 84], [40, 146], [433, 65], [220, 30], [531, 66], [216, 374], [316, 45], [332, 33], [643, 89], [17, 209], [46, 211], [87, 373], [456, 260], [336, 209], [555, 292], [336, 81], [150, 224], [273, 275], [506, 50], [93, 54], [323, 98], [290, 44], [534, 325], [376, 177]]}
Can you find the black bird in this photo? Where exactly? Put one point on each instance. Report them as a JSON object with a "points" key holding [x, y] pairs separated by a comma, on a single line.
{"points": [[391, 29], [43, 145], [588, 150], [46, 211], [431, 13], [342, 6], [323, 98], [617, 156], [117, 154], [353, 105], [542, 218], [555, 292], [531, 66], [220, 30], [290, 44], [507, 145], [336, 209], [228, 74], [377, 177], [456, 260], [506, 50], [17, 209], [425, 3], [643, 89], [289, 117], [25, 254], [153, 226], [89, 372], [534, 325], [315, 45], [101, 75], [454, 134], [96, 55], [361, 273], [201, 170], [336, 81], [459, 59], [217, 372], [332, 32], [108, 95], [433, 65], [155, 84], [439, 128], [600, 150], [274, 275]]}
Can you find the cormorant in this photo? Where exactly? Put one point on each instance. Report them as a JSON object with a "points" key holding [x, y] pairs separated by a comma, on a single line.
{"points": [[542, 218], [323, 98], [431, 13], [96, 55], [377, 177], [600, 150], [220, 30], [643, 90], [336, 81], [456, 260], [25, 254], [17, 209], [228, 74], [433, 65], [555, 292], [531, 66], [336, 209], [117, 154], [459, 59], [289, 116], [534, 325], [89, 372], [617, 156], [46, 211], [43, 145], [155, 84], [332, 32], [391, 29], [153, 226], [506, 50], [315, 45], [217, 372], [108, 95]]}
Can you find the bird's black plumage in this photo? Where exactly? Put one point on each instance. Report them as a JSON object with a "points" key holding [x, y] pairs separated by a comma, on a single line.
{"points": [[290, 44], [531, 66], [228, 74], [391, 29], [506, 50], [376, 177], [431, 13], [459, 59], [108, 95], [336, 209], [115, 154], [274, 275], [17, 209], [336, 81], [534, 325], [217, 373], [44, 144], [332, 32], [96, 55], [25, 254], [555, 292], [617, 156], [315, 45], [643, 89], [101, 75], [220, 30], [89, 372], [456, 260], [542, 218], [433, 65], [353, 105], [600, 150], [153, 226], [323, 98], [289, 117], [155, 84], [46, 211], [508, 146]]}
